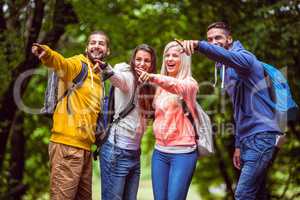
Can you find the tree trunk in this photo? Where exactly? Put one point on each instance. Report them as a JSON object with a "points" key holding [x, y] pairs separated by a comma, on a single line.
{"points": [[17, 158], [9, 108], [63, 15], [221, 164], [222, 167]]}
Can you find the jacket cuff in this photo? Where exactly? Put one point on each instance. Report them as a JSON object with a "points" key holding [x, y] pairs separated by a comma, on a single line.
{"points": [[237, 141], [107, 72]]}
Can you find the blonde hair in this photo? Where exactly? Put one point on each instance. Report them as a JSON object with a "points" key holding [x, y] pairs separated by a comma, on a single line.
{"points": [[184, 68], [185, 65]]}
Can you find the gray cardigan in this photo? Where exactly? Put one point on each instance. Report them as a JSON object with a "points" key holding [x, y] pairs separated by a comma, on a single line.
{"points": [[130, 129]]}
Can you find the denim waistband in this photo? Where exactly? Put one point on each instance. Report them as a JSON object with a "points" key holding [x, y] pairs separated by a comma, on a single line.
{"points": [[129, 151]]}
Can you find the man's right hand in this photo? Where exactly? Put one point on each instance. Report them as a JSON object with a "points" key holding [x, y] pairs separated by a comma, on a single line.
{"points": [[189, 46], [38, 50], [237, 158]]}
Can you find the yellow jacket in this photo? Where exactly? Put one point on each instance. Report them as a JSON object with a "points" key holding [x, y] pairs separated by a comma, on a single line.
{"points": [[75, 128]]}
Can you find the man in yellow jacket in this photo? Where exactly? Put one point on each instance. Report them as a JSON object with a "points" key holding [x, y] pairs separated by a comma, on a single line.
{"points": [[73, 128]]}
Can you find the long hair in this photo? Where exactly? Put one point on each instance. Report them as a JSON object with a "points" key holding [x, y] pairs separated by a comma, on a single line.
{"points": [[146, 91], [185, 65], [184, 68]]}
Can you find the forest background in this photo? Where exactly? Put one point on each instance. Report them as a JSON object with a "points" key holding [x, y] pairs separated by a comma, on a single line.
{"points": [[268, 28]]}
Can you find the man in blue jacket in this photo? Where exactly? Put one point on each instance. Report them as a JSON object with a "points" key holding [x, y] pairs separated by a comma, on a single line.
{"points": [[255, 125]]}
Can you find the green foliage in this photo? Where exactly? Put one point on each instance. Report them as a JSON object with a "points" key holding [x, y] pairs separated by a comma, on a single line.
{"points": [[10, 55]]}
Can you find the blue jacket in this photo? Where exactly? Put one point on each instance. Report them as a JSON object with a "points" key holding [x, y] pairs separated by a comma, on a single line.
{"points": [[251, 114]]}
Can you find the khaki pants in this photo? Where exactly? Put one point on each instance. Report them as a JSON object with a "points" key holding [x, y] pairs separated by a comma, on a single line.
{"points": [[70, 172]]}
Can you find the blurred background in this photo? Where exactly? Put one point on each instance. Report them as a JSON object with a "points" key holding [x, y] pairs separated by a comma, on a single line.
{"points": [[268, 28]]}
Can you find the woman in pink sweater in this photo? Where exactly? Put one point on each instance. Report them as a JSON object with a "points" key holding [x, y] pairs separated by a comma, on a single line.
{"points": [[175, 156]]}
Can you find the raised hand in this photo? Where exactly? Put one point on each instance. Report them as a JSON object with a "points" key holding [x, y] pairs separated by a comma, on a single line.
{"points": [[188, 45], [99, 66], [38, 50]]}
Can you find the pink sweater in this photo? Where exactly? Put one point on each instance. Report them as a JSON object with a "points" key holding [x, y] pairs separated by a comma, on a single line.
{"points": [[171, 127]]}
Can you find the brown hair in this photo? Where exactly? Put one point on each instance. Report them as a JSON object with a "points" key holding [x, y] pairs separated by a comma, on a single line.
{"points": [[146, 91], [98, 32], [221, 25]]}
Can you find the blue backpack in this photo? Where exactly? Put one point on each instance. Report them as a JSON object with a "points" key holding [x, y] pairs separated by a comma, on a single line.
{"points": [[282, 102]]}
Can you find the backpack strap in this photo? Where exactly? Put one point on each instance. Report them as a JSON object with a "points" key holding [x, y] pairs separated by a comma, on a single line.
{"points": [[77, 82], [130, 106], [109, 106], [189, 115]]}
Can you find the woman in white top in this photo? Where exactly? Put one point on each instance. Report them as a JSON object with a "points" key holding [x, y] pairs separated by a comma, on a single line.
{"points": [[120, 154]]}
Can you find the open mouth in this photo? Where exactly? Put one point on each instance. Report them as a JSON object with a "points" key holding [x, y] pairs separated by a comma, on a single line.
{"points": [[171, 66], [96, 53]]}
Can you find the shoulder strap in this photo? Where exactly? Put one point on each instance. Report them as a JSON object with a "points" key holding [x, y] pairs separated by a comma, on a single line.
{"points": [[82, 74], [77, 82], [109, 107], [130, 106], [188, 113]]}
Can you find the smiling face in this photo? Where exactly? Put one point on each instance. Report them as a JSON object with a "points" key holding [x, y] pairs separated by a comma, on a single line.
{"points": [[97, 47], [218, 36], [172, 61], [143, 60]]}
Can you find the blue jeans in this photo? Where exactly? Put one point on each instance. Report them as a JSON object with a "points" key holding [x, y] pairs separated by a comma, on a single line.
{"points": [[120, 172], [172, 174], [256, 156]]}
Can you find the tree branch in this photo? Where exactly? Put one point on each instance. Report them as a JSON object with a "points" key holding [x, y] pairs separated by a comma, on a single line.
{"points": [[35, 26], [15, 8], [63, 15], [295, 196], [287, 184], [222, 168]]}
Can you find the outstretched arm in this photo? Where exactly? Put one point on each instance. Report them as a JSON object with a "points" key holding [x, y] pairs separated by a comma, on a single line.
{"points": [[241, 60], [66, 67], [170, 84]]}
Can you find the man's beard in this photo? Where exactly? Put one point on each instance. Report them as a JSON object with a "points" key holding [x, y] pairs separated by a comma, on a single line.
{"points": [[100, 57]]}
